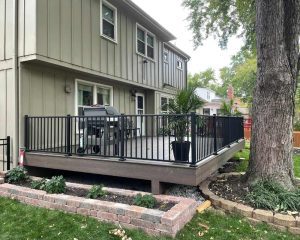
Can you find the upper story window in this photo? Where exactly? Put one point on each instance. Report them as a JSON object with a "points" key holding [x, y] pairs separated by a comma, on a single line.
{"points": [[179, 64], [108, 21], [208, 95], [166, 57], [144, 42]]}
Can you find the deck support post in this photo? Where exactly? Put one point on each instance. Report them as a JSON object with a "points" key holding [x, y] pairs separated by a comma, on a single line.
{"points": [[156, 187]]}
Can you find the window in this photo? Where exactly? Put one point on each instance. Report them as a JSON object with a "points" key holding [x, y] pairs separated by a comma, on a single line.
{"points": [[219, 112], [108, 21], [89, 94], [208, 95], [179, 64], [206, 111], [166, 57], [145, 42], [164, 105]]}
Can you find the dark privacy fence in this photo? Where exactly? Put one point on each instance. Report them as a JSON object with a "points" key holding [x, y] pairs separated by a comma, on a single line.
{"points": [[144, 137], [5, 154]]}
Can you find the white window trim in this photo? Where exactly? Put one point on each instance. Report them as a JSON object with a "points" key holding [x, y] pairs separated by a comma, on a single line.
{"points": [[136, 42], [115, 21], [179, 60], [168, 97], [94, 85]]}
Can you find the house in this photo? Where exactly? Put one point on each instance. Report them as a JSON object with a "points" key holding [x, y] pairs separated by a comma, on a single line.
{"points": [[212, 102], [58, 56]]}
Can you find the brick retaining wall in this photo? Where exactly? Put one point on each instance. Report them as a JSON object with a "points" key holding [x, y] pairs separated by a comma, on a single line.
{"points": [[280, 221], [153, 222]]}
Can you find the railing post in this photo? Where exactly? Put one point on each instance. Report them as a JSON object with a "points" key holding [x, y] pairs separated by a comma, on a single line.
{"points": [[26, 133], [122, 155], [193, 139], [7, 153], [68, 126], [215, 134]]}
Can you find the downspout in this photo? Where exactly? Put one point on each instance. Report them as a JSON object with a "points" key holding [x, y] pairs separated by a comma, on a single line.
{"points": [[15, 154]]}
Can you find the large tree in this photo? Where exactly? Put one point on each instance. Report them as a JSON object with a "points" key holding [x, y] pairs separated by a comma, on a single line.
{"points": [[271, 27]]}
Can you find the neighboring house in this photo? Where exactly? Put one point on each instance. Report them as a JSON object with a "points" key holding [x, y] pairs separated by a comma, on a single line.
{"points": [[58, 56], [212, 102]]}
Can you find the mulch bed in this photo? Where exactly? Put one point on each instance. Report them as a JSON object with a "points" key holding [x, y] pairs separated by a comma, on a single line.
{"points": [[79, 192], [109, 197], [230, 188]]}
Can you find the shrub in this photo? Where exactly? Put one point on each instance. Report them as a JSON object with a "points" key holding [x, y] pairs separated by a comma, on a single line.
{"points": [[272, 196], [96, 191], [147, 201], [16, 175], [55, 185], [297, 125], [39, 185]]}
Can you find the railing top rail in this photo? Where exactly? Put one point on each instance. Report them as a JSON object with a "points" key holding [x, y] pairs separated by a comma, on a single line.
{"points": [[135, 115]]}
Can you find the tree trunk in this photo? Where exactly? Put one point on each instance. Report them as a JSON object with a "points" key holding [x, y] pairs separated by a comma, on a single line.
{"points": [[277, 28]]}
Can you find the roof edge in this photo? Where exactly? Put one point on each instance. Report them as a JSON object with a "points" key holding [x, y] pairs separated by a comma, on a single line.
{"points": [[150, 19], [178, 50]]}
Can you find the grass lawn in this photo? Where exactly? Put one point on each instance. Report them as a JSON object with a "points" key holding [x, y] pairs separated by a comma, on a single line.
{"points": [[242, 167], [19, 221]]}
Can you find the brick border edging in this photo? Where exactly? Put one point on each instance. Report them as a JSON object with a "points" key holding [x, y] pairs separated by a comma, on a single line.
{"points": [[276, 220], [153, 222]]}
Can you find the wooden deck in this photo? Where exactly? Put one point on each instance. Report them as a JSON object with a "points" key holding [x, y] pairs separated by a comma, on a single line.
{"points": [[158, 172]]}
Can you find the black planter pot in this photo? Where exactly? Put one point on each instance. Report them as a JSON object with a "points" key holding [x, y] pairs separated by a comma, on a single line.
{"points": [[181, 151]]}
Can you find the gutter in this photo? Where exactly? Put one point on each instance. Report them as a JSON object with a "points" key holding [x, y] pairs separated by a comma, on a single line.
{"points": [[16, 135]]}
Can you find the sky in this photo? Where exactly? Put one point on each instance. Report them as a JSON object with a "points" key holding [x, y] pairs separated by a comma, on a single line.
{"points": [[171, 15]]}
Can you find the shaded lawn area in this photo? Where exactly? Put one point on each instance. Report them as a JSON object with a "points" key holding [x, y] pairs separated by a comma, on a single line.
{"points": [[19, 221], [242, 167]]}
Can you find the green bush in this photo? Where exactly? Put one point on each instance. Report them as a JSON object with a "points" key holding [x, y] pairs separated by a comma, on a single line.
{"points": [[16, 175], [96, 191], [39, 185], [297, 125], [55, 185], [147, 201], [272, 196]]}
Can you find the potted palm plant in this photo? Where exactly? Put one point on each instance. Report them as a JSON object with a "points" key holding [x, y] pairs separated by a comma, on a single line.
{"points": [[185, 102]]}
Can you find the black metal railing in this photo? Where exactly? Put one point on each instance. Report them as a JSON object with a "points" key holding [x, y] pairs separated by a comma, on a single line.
{"points": [[144, 137], [5, 154]]}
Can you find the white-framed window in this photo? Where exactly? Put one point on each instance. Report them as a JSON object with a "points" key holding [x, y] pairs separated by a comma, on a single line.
{"points": [[164, 102], [179, 64], [166, 56], [145, 42], [88, 94], [109, 21]]}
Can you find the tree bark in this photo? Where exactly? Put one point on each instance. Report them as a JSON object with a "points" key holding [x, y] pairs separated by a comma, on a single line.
{"points": [[277, 28]]}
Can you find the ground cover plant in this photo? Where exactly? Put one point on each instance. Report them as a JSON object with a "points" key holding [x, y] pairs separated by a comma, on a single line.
{"points": [[22, 222], [272, 196], [147, 201], [96, 191], [16, 175]]}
